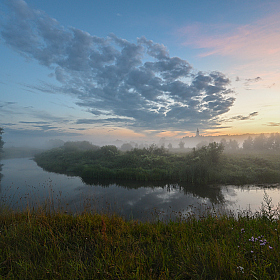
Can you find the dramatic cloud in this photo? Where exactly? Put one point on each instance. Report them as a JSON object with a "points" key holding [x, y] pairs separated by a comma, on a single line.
{"points": [[136, 85]]}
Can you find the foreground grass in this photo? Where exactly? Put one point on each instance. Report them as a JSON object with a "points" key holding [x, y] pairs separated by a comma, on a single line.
{"points": [[42, 245]]}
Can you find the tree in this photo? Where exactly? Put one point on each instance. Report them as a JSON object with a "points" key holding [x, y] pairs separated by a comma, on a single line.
{"points": [[109, 151], [126, 147], [202, 144], [233, 145], [181, 144], [214, 152], [248, 144], [260, 142]]}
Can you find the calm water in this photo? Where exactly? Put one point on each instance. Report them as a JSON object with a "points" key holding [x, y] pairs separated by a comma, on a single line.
{"points": [[24, 183]]}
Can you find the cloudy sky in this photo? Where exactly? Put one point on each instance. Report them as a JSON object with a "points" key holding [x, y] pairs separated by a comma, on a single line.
{"points": [[107, 70]]}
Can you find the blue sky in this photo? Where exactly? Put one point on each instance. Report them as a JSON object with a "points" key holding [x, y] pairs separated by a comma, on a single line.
{"points": [[107, 70]]}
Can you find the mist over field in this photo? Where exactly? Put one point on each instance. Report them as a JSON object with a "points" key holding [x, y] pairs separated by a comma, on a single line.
{"points": [[139, 139]]}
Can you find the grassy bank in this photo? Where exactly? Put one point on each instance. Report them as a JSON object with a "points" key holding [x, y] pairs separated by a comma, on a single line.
{"points": [[206, 165], [44, 245]]}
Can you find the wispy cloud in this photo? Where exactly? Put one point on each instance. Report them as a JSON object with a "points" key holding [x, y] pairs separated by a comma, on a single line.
{"points": [[242, 117], [256, 40], [137, 84], [273, 124]]}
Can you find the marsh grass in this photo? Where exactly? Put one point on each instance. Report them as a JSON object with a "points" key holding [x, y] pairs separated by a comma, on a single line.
{"points": [[46, 243]]}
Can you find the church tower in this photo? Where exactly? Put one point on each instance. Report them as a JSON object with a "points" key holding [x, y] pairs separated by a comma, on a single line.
{"points": [[197, 133]]}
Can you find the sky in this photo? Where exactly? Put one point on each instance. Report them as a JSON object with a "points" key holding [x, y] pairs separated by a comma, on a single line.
{"points": [[138, 70]]}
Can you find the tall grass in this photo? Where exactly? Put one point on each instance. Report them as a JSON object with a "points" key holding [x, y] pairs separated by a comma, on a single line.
{"points": [[47, 244]]}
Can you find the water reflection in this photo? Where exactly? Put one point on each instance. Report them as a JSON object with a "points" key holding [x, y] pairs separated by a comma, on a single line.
{"points": [[213, 193], [24, 183]]}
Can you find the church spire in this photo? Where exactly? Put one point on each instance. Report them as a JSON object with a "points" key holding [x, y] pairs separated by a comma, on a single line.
{"points": [[197, 133]]}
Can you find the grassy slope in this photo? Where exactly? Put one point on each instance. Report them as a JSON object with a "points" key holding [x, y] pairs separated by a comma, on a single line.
{"points": [[40, 245]]}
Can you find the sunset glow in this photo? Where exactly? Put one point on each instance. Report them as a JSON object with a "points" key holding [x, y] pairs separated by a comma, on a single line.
{"points": [[138, 71]]}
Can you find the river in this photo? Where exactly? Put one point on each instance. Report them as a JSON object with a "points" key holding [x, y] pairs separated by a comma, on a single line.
{"points": [[25, 184]]}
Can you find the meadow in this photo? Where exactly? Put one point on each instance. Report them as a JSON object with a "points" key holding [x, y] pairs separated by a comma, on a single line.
{"points": [[49, 244]]}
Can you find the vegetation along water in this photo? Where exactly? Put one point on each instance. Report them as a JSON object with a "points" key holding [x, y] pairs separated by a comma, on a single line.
{"points": [[205, 165], [44, 243]]}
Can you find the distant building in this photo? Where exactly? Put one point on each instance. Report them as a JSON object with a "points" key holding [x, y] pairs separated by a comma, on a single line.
{"points": [[197, 133]]}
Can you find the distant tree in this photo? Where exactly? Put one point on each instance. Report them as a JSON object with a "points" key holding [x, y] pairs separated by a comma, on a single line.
{"points": [[162, 142], [155, 150], [54, 143], [201, 144], [277, 141], [208, 154], [273, 142], [181, 144], [224, 143], [126, 147], [233, 145], [109, 151], [260, 142], [248, 144], [169, 146], [214, 151], [1, 141], [80, 146]]}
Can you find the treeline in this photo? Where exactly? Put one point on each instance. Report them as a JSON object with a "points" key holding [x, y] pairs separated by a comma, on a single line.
{"points": [[205, 165], [260, 143], [147, 164], [263, 143]]}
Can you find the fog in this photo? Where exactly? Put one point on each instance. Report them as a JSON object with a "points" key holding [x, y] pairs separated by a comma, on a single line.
{"points": [[245, 143]]}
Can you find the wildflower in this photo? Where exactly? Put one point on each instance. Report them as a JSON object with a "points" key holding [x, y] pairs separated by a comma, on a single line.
{"points": [[242, 230], [252, 239], [270, 247], [252, 252]]}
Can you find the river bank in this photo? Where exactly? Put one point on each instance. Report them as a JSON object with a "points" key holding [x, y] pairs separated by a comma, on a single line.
{"points": [[43, 244]]}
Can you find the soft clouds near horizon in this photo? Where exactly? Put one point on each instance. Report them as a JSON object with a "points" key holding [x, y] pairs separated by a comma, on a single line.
{"points": [[132, 85], [255, 40]]}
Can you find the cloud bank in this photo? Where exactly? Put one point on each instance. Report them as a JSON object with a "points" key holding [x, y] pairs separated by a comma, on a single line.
{"points": [[133, 85]]}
